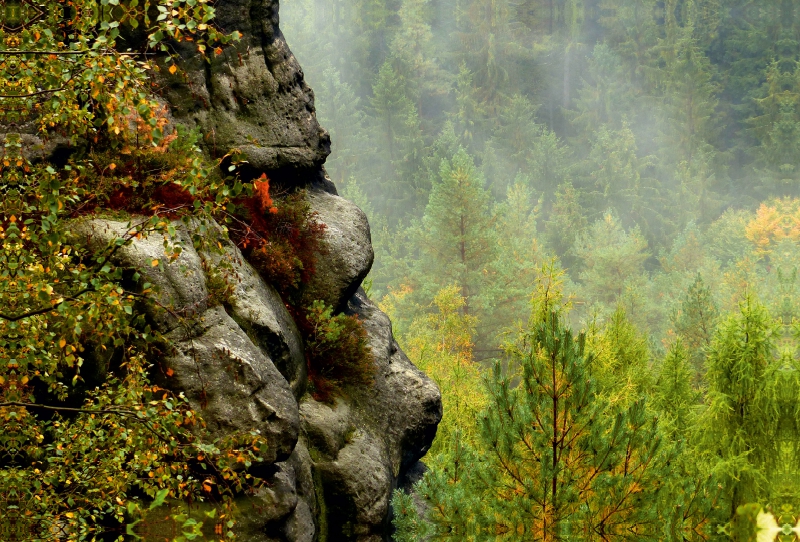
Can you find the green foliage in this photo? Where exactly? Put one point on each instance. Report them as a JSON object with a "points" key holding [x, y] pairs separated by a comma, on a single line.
{"points": [[441, 345], [740, 423], [672, 118], [456, 236], [695, 322], [611, 259], [547, 462], [337, 351], [674, 396], [622, 360]]}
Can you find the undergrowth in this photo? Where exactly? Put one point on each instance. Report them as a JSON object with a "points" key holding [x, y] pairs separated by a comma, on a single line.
{"points": [[280, 237], [337, 351]]}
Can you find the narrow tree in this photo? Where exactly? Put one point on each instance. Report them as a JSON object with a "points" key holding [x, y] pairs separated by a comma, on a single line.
{"points": [[456, 236], [740, 421]]}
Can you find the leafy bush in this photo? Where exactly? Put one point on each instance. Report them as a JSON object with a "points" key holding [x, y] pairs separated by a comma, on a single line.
{"points": [[279, 237], [336, 351]]}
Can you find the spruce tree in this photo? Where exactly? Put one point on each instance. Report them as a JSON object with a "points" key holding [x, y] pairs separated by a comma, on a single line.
{"points": [[611, 258], [395, 120], [456, 237], [695, 321]]}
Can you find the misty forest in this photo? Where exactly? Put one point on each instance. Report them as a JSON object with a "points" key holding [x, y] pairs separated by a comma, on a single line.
{"points": [[586, 219]]}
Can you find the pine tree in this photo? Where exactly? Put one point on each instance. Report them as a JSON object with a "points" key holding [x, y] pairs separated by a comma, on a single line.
{"points": [[550, 459], [739, 425]]}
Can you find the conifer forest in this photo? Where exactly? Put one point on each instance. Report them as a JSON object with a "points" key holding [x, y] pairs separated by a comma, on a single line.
{"points": [[586, 220]]}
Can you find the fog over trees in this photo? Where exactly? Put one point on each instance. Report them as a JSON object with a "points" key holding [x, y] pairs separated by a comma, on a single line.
{"points": [[628, 170]]}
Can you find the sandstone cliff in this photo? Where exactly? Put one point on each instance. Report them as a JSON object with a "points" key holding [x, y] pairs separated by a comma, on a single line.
{"points": [[331, 467]]}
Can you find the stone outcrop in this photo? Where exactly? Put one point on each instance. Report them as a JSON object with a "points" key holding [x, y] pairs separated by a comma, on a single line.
{"points": [[252, 97], [235, 350]]}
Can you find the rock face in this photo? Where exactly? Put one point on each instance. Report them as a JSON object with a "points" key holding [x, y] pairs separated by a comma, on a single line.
{"points": [[252, 97], [235, 350]]}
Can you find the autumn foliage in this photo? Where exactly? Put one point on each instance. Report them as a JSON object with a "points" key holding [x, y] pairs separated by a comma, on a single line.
{"points": [[280, 237], [775, 221]]}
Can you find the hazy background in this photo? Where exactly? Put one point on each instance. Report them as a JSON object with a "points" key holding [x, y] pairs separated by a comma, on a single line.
{"points": [[633, 140]]}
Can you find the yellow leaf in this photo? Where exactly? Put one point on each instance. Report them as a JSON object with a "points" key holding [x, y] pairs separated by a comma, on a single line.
{"points": [[173, 68], [154, 263], [62, 343]]}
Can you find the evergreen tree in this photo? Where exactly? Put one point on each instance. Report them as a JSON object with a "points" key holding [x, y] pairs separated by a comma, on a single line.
{"points": [[565, 224], [619, 174], [549, 461], [518, 261], [469, 115], [695, 322], [395, 119], [606, 97], [622, 360], [456, 236], [414, 54], [610, 257], [674, 398], [739, 425], [490, 45], [340, 113]]}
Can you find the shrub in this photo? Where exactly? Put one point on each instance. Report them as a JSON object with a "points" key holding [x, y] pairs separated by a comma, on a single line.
{"points": [[336, 351], [279, 237]]}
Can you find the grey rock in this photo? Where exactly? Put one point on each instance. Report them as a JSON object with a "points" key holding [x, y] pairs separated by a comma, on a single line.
{"points": [[260, 311], [251, 97], [327, 428], [361, 446], [357, 489], [404, 405], [233, 383], [300, 525], [272, 503], [349, 255], [180, 285]]}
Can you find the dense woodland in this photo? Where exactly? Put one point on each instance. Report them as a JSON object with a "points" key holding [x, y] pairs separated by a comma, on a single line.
{"points": [[625, 169]]}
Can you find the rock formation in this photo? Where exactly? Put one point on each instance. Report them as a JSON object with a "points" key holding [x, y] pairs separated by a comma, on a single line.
{"points": [[331, 467]]}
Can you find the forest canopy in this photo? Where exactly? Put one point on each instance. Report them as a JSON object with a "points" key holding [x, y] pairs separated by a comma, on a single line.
{"points": [[633, 167]]}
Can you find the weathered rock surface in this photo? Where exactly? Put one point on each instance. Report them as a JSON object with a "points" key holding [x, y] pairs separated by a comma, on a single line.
{"points": [[252, 97], [340, 272], [240, 361], [235, 351]]}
